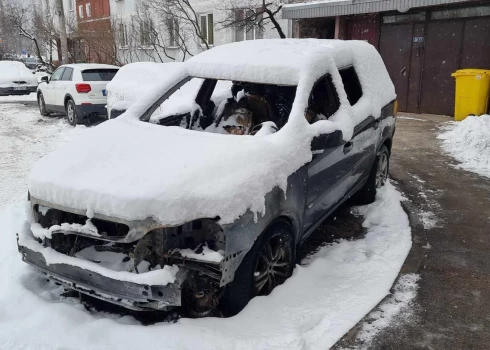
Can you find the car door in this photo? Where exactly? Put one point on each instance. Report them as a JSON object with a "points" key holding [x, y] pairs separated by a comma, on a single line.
{"points": [[50, 89], [329, 171], [62, 86], [366, 134]]}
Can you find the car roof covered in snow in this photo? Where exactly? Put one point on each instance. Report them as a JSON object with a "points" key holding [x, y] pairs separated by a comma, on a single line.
{"points": [[85, 66], [276, 61]]}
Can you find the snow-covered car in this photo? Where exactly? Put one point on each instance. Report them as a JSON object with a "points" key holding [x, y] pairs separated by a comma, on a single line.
{"points": [[16, 79], [31, 63], [135, 80], [78, 90], [206, 208]]}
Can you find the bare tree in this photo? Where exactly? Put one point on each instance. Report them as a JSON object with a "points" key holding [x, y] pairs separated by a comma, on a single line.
{"points": [[246, 14], [20, 17]]}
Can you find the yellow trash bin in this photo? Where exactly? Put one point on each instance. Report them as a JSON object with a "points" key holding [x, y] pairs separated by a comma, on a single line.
{"points": [[472, 92]]}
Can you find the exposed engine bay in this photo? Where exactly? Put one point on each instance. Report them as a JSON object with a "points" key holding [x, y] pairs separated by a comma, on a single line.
{"points": [[196, 247]]}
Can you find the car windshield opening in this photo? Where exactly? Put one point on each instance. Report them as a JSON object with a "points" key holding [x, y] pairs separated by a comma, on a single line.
{"points": [[98, 74], [236, 108]]}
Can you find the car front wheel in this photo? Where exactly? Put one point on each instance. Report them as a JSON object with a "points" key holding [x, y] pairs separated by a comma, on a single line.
{"points": [[71, 113], [267, 265], [42, 105]]}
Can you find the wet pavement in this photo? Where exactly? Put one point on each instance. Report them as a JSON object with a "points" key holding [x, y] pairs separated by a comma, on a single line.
{"points": [[449, 210]]}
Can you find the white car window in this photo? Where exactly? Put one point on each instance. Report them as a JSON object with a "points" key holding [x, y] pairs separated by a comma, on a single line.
{"points": [[57, 74]]}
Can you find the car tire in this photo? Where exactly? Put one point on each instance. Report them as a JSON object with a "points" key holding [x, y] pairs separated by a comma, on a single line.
{"points": [[377, 177], [268, 264], [71, 113], [42, 105]]}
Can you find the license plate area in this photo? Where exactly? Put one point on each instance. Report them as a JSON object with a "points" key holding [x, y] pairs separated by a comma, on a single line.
{"points": [[20, 88]]}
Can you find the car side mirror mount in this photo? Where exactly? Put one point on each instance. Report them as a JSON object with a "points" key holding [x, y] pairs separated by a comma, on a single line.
{"points": [[45, 79], [325, 141]]}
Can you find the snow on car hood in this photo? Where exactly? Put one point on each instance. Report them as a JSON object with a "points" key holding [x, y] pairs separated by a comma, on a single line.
{"points": [[11, 71], [134, 170]]}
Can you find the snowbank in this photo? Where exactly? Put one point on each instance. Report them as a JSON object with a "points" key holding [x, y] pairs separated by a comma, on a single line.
{"points": [[468, 141], [312, 310]]}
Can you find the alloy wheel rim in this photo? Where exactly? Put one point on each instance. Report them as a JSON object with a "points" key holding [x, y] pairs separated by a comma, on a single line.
{"points": [[382, 170], [41, 104], [273, 264], [70, 113]]}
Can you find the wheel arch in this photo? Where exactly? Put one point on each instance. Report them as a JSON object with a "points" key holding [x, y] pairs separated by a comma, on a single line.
{"points": [[67, 98]]}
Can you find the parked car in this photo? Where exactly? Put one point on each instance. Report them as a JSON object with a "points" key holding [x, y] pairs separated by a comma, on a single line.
{"points": [[207, 208], [31, 63], [136, 80], [16, 79], [79, 90]]}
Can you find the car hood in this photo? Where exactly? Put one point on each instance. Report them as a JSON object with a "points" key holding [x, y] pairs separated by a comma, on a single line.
{"points": [[134, 170], [13, 72]]}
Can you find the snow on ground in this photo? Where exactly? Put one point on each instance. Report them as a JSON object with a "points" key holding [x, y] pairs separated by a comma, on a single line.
{"points": [[21, 98], [410, 118], [312, 310], [25, 136], [468, 141], [397, 308]]}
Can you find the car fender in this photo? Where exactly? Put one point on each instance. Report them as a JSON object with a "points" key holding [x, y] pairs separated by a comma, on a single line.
{"points": [[241, 235]]}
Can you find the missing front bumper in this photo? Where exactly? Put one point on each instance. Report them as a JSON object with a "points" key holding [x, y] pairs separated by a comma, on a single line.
{"points": [[127, 294]]}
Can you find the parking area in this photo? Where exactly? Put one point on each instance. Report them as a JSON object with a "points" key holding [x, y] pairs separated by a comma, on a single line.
{"points": [[449, 214], [448, 268]]}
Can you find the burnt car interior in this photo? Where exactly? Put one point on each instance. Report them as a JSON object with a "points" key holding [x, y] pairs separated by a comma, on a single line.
{"points": [[244, 113]]}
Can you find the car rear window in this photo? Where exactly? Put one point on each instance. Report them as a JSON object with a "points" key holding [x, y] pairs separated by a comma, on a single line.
{"points": [[98, 74]]}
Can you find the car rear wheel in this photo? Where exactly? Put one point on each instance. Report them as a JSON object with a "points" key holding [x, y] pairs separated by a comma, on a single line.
{"points": [[267, 265], [377, 177], [71, 113], [42, 105]]}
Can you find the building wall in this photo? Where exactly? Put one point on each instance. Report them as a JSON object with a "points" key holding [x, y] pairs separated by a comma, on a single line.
{"points": [[124, 13]]}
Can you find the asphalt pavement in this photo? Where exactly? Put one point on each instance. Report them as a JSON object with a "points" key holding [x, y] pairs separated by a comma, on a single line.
{"points": [[449, 210]]}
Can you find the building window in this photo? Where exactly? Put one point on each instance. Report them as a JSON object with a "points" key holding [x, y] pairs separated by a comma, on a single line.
{"points": [[173, 31], [80, 11], [71, 5], [88, 9], [123, 35], [247, 27], [146, 33], [207, 29]]}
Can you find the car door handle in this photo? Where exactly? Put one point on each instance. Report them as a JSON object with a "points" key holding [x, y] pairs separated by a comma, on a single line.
{"points": [[347, 147]]}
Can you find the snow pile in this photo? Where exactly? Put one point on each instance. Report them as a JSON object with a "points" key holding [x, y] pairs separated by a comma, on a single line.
{"points": [[11, 71], [312, 310], [468, 141]]}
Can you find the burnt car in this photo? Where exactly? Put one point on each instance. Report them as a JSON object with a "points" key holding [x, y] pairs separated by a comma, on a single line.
{"points": [[204, 204]]}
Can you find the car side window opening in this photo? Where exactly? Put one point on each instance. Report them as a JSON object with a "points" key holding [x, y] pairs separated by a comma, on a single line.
{"points": [[352, 85], [324, 100], [57, 74], [67, 74]]}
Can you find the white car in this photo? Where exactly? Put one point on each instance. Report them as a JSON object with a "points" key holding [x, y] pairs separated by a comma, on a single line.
{"points": [[16, 79], [79, 90]]}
